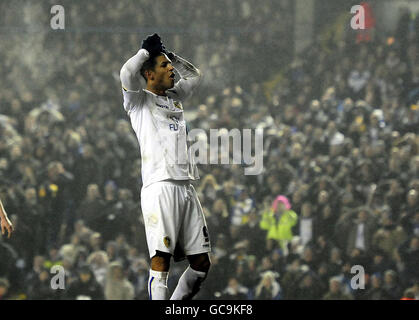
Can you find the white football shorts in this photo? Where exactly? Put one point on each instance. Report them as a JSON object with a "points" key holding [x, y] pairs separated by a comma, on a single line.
{"points": [[174, 220]]}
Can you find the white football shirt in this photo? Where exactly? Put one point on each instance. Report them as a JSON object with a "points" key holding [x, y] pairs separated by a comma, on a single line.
{"points": [[159, 124]]}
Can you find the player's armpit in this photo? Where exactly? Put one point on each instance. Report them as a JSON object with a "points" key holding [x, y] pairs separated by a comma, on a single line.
{"points": [[132, 99]]}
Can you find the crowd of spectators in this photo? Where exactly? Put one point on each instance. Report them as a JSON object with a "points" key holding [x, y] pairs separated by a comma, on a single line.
{"points": [[341, 157]]}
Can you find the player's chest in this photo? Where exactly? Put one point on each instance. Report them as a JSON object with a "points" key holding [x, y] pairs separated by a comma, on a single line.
{"points": [[168, 115]]}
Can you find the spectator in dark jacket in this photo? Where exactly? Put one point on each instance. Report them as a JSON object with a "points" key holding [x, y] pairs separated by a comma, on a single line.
{"points": [[85, 287], [40, 288], [392, 286], [310, 288], [409, 253], [380, 263], [91, 209], [361, 232], [376, 291]]}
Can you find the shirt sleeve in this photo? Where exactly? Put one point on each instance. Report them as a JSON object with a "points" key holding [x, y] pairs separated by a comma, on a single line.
{"points": [[133, 83], [190, 76], [132, 99]]}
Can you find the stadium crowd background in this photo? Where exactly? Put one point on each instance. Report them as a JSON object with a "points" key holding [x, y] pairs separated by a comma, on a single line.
{"points": [[341, 148]]}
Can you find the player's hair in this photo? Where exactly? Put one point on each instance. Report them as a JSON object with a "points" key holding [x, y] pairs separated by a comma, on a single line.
{"points": [[150, 64]]}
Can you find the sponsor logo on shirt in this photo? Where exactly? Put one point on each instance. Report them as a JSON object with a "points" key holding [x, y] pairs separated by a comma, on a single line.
{"points": [[162, 106], [174, 126]]}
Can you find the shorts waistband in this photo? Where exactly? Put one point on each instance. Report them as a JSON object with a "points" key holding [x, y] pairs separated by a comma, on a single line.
{"points": [[176, 182]]}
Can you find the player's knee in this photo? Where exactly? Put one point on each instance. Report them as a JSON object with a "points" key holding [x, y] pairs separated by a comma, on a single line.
{"points": [[200, 262], [161, 261]]}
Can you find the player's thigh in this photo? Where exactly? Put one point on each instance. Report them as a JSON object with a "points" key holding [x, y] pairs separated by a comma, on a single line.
{"points": [[161, 217], [194, 235]]}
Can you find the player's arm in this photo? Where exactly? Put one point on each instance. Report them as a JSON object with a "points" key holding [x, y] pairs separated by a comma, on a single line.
{"points": [[6, 224], [190, 77], [130, 79], [132, 82]]}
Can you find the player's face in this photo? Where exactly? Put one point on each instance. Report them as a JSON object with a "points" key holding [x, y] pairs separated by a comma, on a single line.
{"points": [[164, 76]]}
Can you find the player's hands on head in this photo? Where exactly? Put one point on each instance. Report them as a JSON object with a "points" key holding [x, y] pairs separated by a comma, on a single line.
{"points": [[168, 53], [153, 44]]}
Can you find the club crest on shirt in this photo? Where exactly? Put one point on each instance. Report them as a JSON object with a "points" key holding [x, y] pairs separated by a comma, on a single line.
{"points": [[166, 241], [178, 105]]}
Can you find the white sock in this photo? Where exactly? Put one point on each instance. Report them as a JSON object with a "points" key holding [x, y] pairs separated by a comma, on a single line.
{"points": [[157, 285], [188, 285]]}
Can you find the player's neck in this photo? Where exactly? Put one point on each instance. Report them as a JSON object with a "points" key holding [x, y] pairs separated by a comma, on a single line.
{"points": [[156, 91]]}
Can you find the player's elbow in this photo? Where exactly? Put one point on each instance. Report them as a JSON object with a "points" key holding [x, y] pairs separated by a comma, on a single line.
{"points": [[127, 77], [199, 74], [124, 73], [198, 78]]}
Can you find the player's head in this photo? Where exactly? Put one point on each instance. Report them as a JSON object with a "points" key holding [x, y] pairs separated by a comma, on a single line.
{"points": [[158, 72]]}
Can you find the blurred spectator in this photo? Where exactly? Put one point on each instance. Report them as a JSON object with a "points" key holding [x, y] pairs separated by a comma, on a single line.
{"points": [[139, 278], [307, 224], [4, 289], [85, 287], [98, 261], [392, 286], [234, 291], [37, 267], [409, 253], [309, 287], [380, 263], [117, 287], [40, 288], [92, 207], [268, 288], [408, 294], [376, 291], [278, 222], [361, 232], [389, 237], [335, 291], [290, 279]]}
